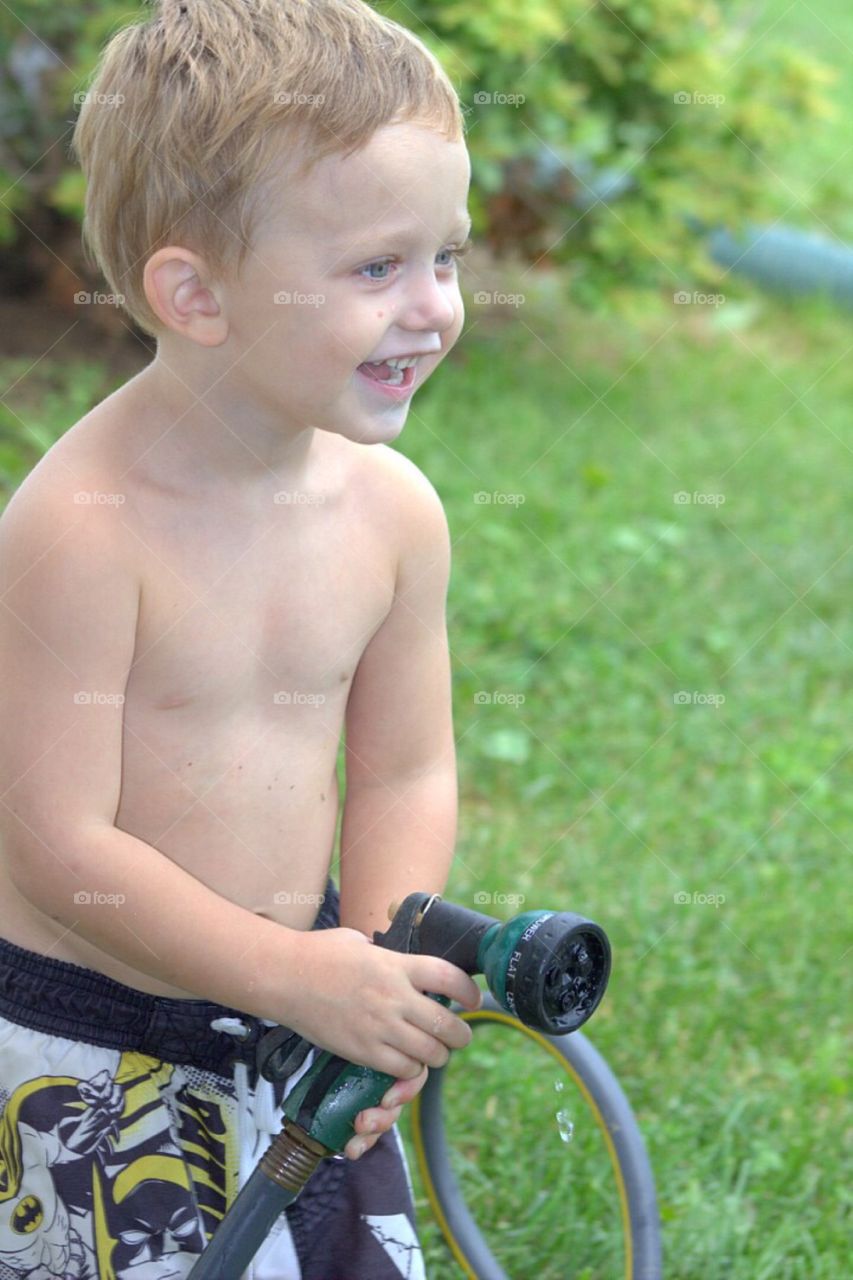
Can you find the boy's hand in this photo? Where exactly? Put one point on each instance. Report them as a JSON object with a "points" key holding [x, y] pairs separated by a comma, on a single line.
{"points": [[368, 1005], [372, 1123]]}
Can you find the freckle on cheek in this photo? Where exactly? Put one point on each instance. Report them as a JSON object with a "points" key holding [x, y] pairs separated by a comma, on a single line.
{"points": [[379, 315]]}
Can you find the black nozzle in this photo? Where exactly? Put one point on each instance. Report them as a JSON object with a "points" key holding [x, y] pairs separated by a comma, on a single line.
{"points": [[548, 968], [558, 972]]}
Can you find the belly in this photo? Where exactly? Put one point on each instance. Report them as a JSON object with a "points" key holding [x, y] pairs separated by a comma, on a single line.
{"points": [[247, 806]]}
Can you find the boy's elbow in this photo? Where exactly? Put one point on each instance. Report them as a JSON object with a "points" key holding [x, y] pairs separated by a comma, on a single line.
{"points": [[51, 878]]}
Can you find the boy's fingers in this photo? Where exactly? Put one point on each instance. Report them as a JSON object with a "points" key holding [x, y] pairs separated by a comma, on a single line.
{"points": [[402, 1091], [476, 999], [371, 1123], [451, 1032], [459, 986], [377, 1120], [357, 1146]]}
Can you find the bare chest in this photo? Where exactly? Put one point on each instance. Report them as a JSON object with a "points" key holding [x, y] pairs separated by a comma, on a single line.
{"points": [[248, 637], [266, 617]]}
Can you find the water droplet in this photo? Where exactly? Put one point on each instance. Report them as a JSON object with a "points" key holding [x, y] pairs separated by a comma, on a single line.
{"points": [[565, 1126], [559, 1086]]}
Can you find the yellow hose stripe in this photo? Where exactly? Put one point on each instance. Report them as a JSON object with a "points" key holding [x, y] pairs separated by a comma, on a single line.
{"points": [[489, 1015], [431, 1193]]}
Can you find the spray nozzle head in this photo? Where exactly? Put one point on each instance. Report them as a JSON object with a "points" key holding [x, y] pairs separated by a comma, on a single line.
{"points": [[548, 968]]}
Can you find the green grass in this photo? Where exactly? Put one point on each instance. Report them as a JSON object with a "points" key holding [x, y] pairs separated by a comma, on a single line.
{"points": [[598, 599]]}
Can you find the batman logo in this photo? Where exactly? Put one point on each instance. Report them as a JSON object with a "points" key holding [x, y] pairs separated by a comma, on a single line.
{"points": [[28, 1215]]}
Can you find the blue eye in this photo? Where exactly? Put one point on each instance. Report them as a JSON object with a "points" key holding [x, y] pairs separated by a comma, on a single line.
{"points": [[388, 262], [384, 263]]}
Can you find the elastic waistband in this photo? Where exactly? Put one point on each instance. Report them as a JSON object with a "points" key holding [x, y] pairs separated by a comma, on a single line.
{"points": [[80, 1004]]}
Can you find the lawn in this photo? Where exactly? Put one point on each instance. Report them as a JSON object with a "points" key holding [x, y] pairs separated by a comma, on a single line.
{"points": [[600, 598]]}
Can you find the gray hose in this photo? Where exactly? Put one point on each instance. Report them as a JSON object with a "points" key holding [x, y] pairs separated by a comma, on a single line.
{"points": [[786, 260], [249, 1222]]}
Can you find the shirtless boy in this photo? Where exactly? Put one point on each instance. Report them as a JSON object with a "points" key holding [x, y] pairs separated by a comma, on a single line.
{"points": [[205, 581]]}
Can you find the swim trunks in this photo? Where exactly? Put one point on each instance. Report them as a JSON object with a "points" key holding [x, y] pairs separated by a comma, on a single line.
{"points": [[128, 1123]]}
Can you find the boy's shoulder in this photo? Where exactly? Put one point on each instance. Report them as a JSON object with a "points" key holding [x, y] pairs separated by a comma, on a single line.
{"points": [[73, 477], [401, 486]]}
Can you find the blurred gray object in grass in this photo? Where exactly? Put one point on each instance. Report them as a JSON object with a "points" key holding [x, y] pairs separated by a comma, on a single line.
{"points": [[779, 258]]}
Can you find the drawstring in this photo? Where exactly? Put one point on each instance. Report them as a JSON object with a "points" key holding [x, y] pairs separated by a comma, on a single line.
{"points": [[259, 1119], [259, 1116], [248, 1132]]}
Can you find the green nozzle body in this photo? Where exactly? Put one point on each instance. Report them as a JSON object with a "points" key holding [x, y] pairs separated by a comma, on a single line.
{"points": [[326, 1101]]}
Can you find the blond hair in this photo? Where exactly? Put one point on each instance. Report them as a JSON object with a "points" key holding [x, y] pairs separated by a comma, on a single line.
{"points": [[191, 111]]}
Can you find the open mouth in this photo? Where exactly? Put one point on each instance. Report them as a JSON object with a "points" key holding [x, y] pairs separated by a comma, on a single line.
{"points": [[384, 377]]}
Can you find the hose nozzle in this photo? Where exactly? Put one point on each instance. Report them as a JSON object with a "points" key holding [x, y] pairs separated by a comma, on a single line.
{"points": [[549, 968]]}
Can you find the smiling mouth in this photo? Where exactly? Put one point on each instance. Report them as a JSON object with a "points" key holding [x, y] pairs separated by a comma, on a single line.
{"points": [[387, 376]]}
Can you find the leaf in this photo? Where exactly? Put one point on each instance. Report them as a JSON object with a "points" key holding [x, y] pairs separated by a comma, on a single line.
{"points": [[511, 745]]}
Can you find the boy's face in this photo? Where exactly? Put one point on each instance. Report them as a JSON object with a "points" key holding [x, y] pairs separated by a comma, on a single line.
{"points": [[354, 266]]}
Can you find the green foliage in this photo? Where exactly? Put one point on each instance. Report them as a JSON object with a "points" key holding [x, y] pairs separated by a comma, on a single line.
{"points": [[599, 85], [47, 53]]}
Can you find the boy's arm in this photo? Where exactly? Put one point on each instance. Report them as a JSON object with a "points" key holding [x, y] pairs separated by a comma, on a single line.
{"points": [[399, 821], [69, 596]]}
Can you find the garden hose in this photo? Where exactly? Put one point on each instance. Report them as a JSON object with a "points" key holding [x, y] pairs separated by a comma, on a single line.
{"points": [[550, 969]]}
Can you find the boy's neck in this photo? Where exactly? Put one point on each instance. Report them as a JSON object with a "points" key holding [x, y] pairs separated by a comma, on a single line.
{"points": [[218, 438]]}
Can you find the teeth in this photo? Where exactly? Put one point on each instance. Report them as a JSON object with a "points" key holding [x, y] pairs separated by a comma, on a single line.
{"points": [[403, 362]]}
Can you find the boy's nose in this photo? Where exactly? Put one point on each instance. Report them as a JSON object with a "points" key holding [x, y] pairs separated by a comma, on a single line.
{"points": [[429, 306]]}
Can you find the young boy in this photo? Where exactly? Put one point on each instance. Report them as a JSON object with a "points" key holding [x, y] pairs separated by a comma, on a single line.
{"points": [[209, 577]]}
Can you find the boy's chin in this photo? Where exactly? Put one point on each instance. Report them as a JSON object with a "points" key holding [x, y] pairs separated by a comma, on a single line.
{"points": [[371, 428]]}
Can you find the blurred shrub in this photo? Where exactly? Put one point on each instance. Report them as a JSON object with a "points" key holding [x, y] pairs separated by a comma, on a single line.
{"points": [[46, 55], [668, 106]]}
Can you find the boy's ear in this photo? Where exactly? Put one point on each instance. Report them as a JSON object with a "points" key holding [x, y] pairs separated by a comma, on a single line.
{"points": [[182, 296]]}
